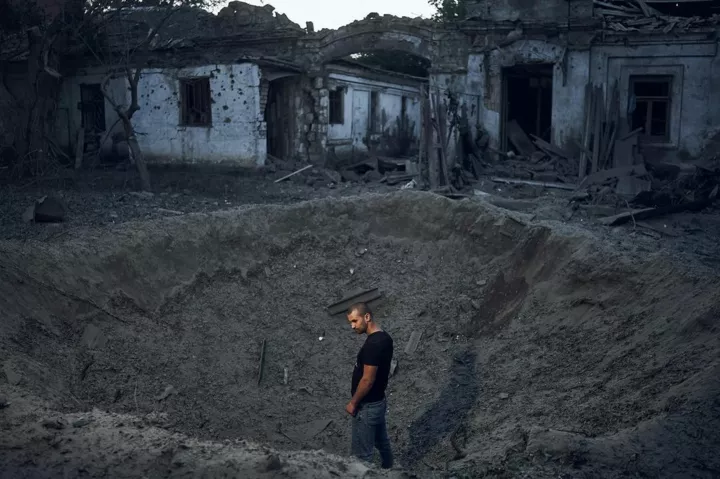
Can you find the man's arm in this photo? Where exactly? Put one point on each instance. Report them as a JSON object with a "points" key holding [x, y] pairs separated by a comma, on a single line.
{"points": [[363, 388]]}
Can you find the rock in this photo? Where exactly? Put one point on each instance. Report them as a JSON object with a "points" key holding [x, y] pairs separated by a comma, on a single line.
{"points": [[13, 377], [271, 463], [53, 424], [29, 214], [504, 396], [49, 210], [82, 422], [169, 391]]}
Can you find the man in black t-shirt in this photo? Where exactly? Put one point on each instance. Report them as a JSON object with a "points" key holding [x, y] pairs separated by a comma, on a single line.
{"points": [[369, 380]]}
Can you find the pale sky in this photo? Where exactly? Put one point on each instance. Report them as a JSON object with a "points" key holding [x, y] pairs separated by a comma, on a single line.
{"points": [[336, 13]]}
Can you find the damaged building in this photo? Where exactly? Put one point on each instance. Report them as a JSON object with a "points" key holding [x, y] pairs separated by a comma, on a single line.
{"points": [[601, 82], [231, 99]]}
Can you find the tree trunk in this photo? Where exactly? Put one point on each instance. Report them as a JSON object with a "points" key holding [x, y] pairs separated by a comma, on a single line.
{"points": [[137, 154]]}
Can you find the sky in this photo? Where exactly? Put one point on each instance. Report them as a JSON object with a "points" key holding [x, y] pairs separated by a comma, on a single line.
{"points": [[336, 13]]}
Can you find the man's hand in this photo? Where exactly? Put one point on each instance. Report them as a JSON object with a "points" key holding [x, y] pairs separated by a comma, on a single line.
{"points": [[351, 408]]}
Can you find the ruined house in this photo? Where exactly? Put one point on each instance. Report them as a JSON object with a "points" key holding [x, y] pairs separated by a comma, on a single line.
{"points": [[578, 76], [223, 90]]}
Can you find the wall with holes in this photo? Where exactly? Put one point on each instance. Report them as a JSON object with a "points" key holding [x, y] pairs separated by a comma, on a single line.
{"points": [[234, 137], [354, 135], [236, 133]]}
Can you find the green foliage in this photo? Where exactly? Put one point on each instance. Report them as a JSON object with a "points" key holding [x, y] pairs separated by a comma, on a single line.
{"points": [[449, 10], [399, 62]]}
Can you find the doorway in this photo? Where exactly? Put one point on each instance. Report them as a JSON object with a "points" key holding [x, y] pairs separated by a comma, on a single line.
{"points": [[527, 100]]}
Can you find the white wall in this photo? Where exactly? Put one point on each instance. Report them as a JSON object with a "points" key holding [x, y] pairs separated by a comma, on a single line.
{"points": [[237, 134], [352, 134]]}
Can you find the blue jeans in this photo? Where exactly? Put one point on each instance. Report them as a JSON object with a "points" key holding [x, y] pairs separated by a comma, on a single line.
{"points": [[369, 431]]}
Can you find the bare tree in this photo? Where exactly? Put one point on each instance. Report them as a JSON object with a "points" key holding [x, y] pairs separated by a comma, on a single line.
{"points": [[137, 24]]}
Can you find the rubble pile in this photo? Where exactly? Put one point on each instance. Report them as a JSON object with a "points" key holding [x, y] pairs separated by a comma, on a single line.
{"points": [[637, 16]]}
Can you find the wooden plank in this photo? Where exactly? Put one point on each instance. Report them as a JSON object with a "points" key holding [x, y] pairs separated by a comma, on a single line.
{"points": [[645, 9], [589, 115], [614, 13], [413, 342], [520, 139], [599, 114], [262, 362], [544, 184], [550, 148], [365, 296], [79, 148], [293, 173], [648, 213]]}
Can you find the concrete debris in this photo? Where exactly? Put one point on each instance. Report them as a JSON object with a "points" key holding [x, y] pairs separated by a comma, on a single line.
{"points": [[145, 195], [504, 396]]}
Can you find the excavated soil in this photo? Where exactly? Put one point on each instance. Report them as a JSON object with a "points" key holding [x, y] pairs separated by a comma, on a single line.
{"points": [[133, 350]]}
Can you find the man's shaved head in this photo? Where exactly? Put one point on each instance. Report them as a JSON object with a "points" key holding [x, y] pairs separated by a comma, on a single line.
{"points": [[360, 317], [360, 308]]}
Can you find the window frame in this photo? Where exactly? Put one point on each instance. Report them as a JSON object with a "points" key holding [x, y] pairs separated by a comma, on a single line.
{"points": [[206, 91], [650, 101], [336, 116]]}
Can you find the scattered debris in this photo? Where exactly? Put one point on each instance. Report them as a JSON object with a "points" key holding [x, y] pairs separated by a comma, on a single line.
{"points": [[504, 396], [171, 212], [145, 195], [393, 367], [362, 296]]}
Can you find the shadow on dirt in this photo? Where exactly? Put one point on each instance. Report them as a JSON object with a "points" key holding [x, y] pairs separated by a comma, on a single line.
{"points": [[448, 412]]}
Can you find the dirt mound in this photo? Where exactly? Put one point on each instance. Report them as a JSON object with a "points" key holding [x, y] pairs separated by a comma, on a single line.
{"points": [[541, 350]]}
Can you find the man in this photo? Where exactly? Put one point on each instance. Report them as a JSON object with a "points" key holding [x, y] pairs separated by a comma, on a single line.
{"points": [[369, 380]]}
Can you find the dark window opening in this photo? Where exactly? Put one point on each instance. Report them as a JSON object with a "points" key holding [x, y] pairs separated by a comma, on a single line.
{"points": [[650, 106], [196, 102], [337, 106], [528, 103], [404, 111], [375, 121], [92, 107], [682, 8]]}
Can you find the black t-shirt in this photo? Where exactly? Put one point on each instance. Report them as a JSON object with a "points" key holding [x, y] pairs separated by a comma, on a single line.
{"points": [[377, 351]]}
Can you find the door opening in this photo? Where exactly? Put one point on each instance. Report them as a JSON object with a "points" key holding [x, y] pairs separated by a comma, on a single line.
{"points": [[527, 100]]}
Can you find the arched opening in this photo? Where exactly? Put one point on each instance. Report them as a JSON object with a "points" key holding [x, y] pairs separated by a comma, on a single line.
{"points": [[375, 104]]}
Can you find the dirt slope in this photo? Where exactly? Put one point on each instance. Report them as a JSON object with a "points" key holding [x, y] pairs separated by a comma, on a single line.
{"points": [[542, 349]]}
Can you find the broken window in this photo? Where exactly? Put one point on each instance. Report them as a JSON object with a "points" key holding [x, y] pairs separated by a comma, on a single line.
{"points": [[337, 106], [92, 108], [196, 102], [650, 98], [374, 112]]}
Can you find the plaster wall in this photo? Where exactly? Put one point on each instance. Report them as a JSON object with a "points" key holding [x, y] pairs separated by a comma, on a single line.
{"points": [[354, 134], [692, 66], [235, 138], [237, 135]]}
